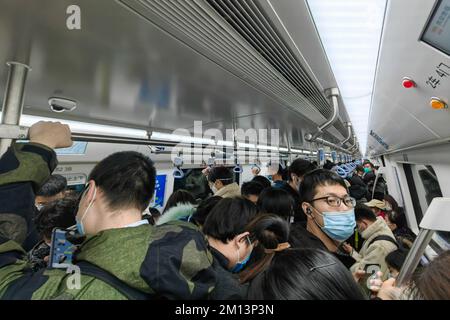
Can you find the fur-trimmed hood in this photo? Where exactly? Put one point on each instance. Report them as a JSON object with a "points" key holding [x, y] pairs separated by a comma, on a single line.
{"points": [[182, 211]]}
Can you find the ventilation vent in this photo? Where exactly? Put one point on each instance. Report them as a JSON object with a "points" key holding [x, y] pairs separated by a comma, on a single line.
{"points": [[238, 36]]}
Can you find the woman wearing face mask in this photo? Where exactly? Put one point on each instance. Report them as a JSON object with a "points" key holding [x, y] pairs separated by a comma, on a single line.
{"points": [[230, 244], [329, 210]]}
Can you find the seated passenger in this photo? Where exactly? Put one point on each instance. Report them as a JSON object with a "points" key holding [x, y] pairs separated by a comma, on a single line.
{"points": [[204, 209], [56, 214], [221, 182], [251, 190], [180, 206], [329, 210], [262, 180], [230, 244], [110, 212], [396, 221], [53, 189], [379, 241], [304, 274]]}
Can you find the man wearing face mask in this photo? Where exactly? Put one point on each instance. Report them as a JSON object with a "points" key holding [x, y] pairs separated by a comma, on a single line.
{"points": [[329, 210], [122, 256], [379, 241], [230, 244], [221, 182]]}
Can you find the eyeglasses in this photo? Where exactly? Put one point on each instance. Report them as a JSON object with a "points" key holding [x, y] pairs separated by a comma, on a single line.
{"points": [[336, 202]]}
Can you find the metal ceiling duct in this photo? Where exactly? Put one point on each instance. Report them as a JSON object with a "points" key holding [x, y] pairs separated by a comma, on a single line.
{"points": [[238, 36]]}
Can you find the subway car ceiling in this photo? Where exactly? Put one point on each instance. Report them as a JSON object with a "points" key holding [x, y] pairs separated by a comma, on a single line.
{"points": [[161, 65]]}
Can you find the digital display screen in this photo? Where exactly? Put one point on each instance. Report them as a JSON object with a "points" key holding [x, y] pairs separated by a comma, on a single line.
{"points": [[437, 32]]}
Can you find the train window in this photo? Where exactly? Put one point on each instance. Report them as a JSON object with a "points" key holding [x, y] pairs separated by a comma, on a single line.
{"points": [[196, 183], [437, 31]]}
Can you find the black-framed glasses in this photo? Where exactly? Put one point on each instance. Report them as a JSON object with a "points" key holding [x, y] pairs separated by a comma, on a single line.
{"points": [[334, 201]]}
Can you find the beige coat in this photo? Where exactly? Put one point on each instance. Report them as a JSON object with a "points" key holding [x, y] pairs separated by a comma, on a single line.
{"points": [[377, 251], [229, 191]]}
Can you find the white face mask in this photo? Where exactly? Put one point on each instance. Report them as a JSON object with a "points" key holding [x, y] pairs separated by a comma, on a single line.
{"points": [[80, 226], [213, 188]]}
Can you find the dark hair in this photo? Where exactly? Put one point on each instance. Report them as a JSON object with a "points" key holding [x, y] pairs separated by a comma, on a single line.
{"points": [[204, 209], [305, 274], [276, 201], [56, 214], [300, 167], [251, 188], [54, 185], [434, 281], [359, 168], [389, 199], [328, 165], [316, 178], [262, 180], [364, 212], [396, 258], [179, 197], [221, 173], [398, 217], [228, 218], [127, 179], [269, 231]]}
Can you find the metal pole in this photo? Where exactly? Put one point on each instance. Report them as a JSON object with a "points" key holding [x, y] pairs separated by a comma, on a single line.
{"points": [[414, 256], [13, 99]]}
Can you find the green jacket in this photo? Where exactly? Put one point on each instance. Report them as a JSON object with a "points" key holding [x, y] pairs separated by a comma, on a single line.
{"points": [[171, 260]]}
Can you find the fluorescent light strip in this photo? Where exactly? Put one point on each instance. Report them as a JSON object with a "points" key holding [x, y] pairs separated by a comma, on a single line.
{"points": [[246, 145], [84, 127], [179, 138], [296, 150], [283, 149], [267, 147], [225, 143]]}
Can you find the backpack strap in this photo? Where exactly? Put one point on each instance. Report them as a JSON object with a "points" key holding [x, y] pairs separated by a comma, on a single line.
{"points": [[385, 238], [24, 287], [131, 293]]}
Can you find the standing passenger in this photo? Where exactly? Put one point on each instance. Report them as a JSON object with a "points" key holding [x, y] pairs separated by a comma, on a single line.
{"points": [[144, 260], [222, 183], [230, 244], [329, 210]]}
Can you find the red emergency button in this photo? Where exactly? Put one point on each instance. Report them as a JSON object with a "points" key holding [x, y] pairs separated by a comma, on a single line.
{"points": [[408, 83]]}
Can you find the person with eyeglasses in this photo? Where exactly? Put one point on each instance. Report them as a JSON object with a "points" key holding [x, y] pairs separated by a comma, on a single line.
{"points": [[329, 210]]}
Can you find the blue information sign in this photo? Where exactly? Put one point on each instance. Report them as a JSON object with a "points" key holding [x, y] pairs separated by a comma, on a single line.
{"points": [[160, 192]]}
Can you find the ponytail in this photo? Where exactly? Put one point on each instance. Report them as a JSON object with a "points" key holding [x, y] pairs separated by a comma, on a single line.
{"points": [[270, 233]]}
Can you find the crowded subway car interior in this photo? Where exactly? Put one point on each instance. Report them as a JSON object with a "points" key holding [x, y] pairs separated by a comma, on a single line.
{"points": [[225, 150]]}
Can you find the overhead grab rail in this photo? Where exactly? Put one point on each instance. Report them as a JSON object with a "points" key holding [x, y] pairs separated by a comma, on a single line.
{"points": [[349, 134], [332, 93], [354, 144]]}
